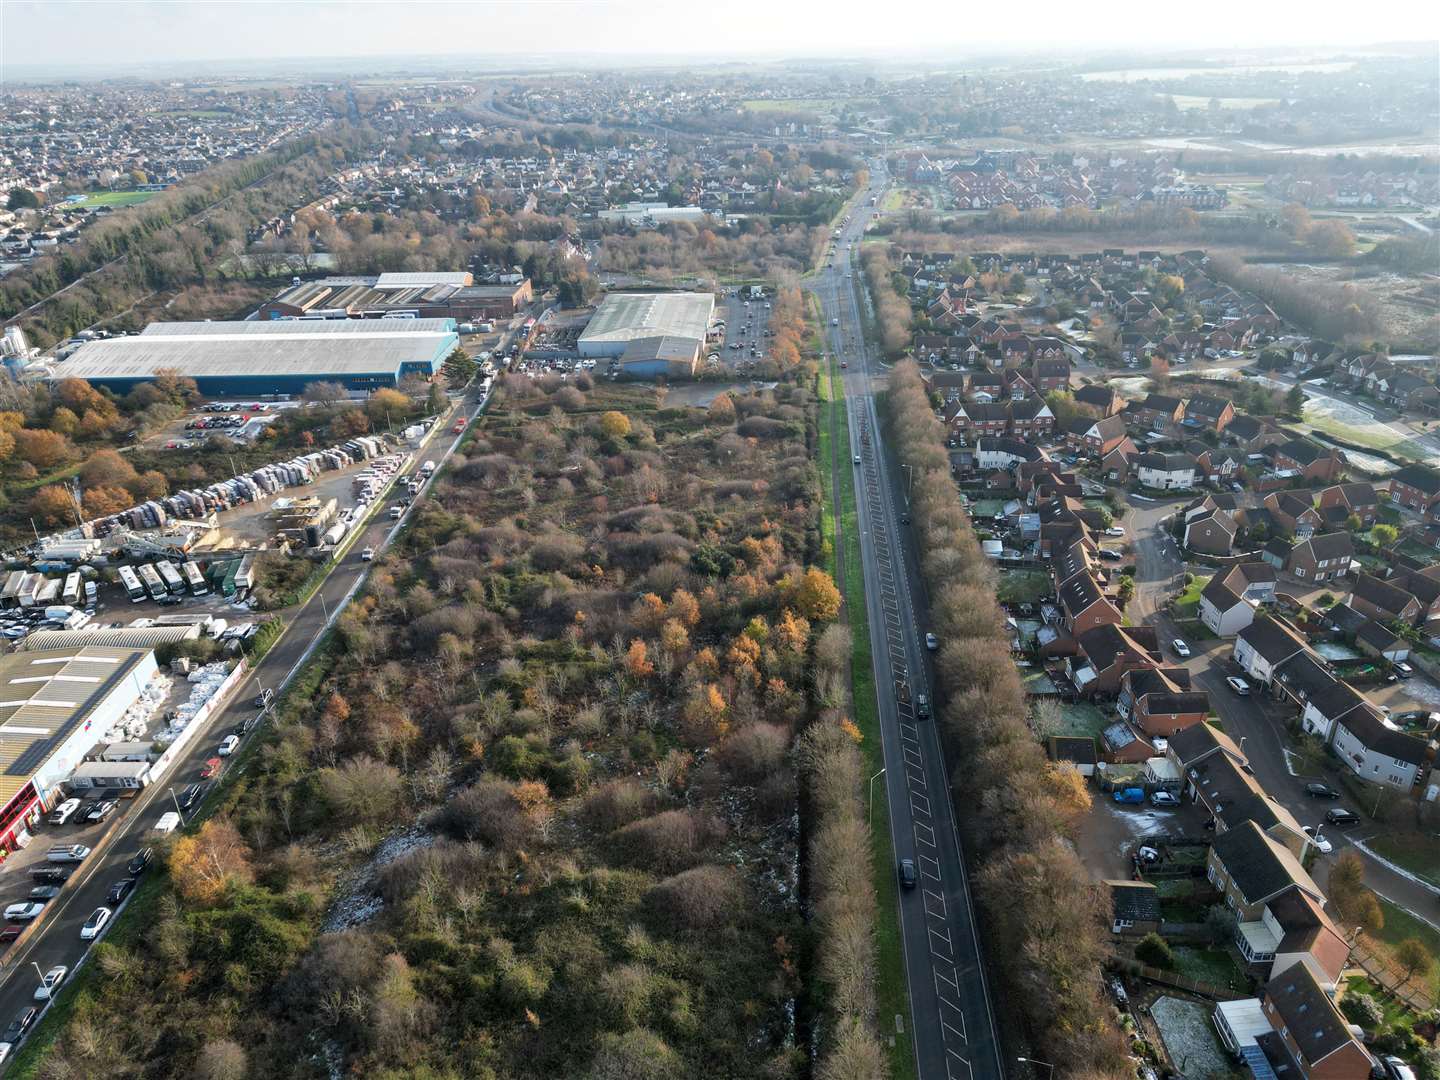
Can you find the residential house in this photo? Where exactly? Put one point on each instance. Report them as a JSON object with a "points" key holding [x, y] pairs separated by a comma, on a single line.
{"points": [[1223, 610], [1252, 581], [1050, 373], [1253, 434], [1321, 558], [1209, 413], [1159, 703], [1416, 487], [1158, 412], [1094, 437], [1311, 1040], [1312, 687], [1119, 463], [1249, 869], [1166, 472], [1304, 934], [1101, 398], [1074, 750], [1264, 645], [1004, 453], [1294, 512], [1375, 640], [1276, 552], [1379, 753], [1210, 532], [1359, 499], [1314, 462], [1084, 606], [1107, 652], [1384, 601], [1425, 587]]}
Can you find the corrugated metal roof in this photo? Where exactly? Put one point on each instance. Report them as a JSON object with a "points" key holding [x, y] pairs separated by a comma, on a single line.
{"points": [[393, 281], [43, 696], [125, 637], [624, 316], [294, 349]]}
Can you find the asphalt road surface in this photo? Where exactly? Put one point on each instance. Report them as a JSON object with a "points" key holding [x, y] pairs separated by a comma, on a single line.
{"points": [[954, 1027], [58, 942]]}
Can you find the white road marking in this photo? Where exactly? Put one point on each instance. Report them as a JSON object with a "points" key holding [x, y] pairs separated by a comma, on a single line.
{"points": [[922, 861], [923, 799], [930, 895]]}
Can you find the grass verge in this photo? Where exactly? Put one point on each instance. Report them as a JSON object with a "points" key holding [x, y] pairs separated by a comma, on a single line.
{"points": [[892, 997], [1399, 925], [1416, 852]]}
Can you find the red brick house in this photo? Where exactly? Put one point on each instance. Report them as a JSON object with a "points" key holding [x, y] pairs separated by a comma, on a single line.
{"points": [[1209, 413], [1094, 437], [1384, 602], [1358, 499], [1314, 462], [1084, 605], [1415, 486]]}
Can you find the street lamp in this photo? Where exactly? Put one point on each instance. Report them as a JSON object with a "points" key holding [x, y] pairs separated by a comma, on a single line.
{"points": [[175, 799], [872, 793], [1037, 1061]]}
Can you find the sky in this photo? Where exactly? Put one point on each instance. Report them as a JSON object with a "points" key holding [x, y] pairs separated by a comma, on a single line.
{"points": [[102, 35]]}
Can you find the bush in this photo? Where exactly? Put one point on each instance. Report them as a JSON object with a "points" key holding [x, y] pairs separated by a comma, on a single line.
{"points": [[668, 842], [487, 811], [701, 898], [1362, 1009], [1155, 951]]}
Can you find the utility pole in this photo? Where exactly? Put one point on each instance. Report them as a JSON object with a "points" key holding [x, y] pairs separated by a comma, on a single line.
{"points": [[872, 794]]}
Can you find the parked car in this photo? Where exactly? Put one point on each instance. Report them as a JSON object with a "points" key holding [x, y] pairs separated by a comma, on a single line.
{"points": [[264, 698], [67, 853], [1134, 795], [101, 810], [1181, 649], [10, 933], [20, 1025], [857, 459], [922, 706], [1164, 798], [367, 555], [64, 812], [50, 875], [23, 911], [228, 745], [1117, 989], [932, 642], [1320, 791], [140, 862], [1395, 1069], [1338, 815], [119, 890], [1111, 554], [908, 876], [168, 823], [95, 923], [53, 978], [211, 768], [44, 892], [1239, 685], [1321, 844], [1114, 530], [1404, 670], [192, 795]]}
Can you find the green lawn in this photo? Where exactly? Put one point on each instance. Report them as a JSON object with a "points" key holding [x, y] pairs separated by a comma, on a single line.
{"points": [[892, 997], [1416, 852], [1214, 966], [1080, 718], [113, 198], [986, 507], [1023, 586], [1400, 924], [1396, 1014], [1188, 602]]}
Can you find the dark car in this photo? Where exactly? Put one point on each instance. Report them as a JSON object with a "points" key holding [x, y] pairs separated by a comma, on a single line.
{"points": [[140, 862], [101, 810], [20, 1025], [922, 706], [119, 890], [192, 795], [244, 727], [1320, 791], [908, 877], [51, 875], [44, 892], [10, 933], [1338, 815]]}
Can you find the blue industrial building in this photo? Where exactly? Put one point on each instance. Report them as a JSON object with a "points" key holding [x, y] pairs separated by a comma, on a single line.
{"points": [[265, 359]]}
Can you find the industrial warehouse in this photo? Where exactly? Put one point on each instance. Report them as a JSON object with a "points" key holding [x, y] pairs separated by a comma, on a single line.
{"points": [[650, 334], [257, 359], [421, 295]]}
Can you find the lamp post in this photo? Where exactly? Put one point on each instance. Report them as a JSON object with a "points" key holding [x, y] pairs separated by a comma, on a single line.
{"points": [[175, 799], [1037, 1061], [872, 793]]}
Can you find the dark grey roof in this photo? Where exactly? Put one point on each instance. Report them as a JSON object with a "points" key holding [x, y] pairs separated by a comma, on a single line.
{"points": [[1199, 742], [1272, 640], [1308, 677], [1376, 636], [1347, 618], [1220, 595], [1260, 867], [1306, 1010], [1165, 462], [1137, 901], [1332, 546], [1196, 701], [1420, 477], [1385, 596], [1303, 451], [1366, 725]]}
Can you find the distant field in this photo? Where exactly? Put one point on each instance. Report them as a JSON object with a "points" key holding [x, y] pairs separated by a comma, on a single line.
{"points": [[814, 105], [114, 198], [1197, 101]]}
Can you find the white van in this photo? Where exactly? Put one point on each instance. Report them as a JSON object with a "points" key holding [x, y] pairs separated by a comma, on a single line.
{"points": [[168, 823]]}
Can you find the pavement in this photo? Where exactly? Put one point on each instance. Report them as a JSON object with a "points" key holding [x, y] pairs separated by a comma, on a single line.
{"points": [[1255, 721], [58, 939], [955, 1035]]}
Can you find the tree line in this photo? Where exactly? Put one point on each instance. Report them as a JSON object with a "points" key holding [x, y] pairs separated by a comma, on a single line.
{"points": [[1043, 920]]}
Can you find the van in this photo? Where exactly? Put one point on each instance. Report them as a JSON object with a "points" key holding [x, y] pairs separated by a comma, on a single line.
{"points": [[64, 812], [67, 853], [168, 823]]}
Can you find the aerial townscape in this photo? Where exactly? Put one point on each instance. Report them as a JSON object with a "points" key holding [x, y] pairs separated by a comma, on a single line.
{"points": [[808, 548]]}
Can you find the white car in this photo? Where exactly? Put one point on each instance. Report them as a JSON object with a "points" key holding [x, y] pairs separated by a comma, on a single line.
{"points": [[95, 923], [1181, 649], [1114, 530], [1164, 798], [1239, 685], [53, 978], [367, 555], [1321, 844], [228, 745], [23, 912]]}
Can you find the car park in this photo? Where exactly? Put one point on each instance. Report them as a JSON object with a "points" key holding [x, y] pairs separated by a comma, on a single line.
{"points": [[1321, 844], [53, 978], [1239, 685], [95, 924], [1181, 649], [1321, 791], [228, 745]]}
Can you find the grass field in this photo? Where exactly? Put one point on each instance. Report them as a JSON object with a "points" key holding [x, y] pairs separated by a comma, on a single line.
{"points": [[1400, 924], [892, 998], [1394, 1010], [113, 198], [1416, 852], [1023, 586]]}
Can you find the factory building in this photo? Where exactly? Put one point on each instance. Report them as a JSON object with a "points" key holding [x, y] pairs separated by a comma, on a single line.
{"points": [[262, 359], [421, 296], [55, 704], [650, 334]]}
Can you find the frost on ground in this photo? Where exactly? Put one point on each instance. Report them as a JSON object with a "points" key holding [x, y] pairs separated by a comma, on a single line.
{"points": [[357, 901], [1185, 1030]]}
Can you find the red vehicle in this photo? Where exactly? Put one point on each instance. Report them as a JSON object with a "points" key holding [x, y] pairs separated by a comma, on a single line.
{"points": [[211, 768], [459, 426]]}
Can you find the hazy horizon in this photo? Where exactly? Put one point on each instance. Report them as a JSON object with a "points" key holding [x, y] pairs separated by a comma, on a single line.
{"points": [[74, 38]]}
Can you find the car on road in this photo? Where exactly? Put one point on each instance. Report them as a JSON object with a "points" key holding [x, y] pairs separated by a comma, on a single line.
{"points": [[192, 795], [367, 555], [1338, 815], [908, 876], [53, 978], [1321, 791], [1181, 649], [922, 706], [1321, 844], [140, 862], [119, 890], [228, 745], [168, 822], [20, 1025], [24, 911], [211, 768], [844, 363], [857, 459], [1239, 685], [932, 642], [244, 727], [95, 923], [265, 697], [1164, 798]]}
